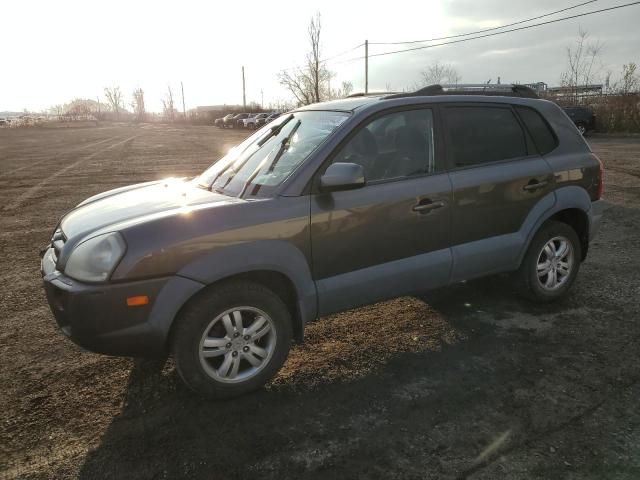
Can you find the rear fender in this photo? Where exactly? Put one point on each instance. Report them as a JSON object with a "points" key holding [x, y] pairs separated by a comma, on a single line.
{"points": [[561, 199]]}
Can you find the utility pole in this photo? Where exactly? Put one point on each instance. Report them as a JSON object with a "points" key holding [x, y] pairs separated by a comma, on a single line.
{"points": [[244, 95], [366, 66], [184, 110], [261, 99]]}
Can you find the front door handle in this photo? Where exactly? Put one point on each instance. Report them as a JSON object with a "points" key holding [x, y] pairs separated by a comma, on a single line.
{"points": [[425, 206], [533, 185]]}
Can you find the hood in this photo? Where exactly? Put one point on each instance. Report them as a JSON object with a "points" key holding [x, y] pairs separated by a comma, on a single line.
{"points": [[137, 202]]}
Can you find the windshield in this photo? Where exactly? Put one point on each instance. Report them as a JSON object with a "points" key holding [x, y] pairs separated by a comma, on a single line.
{"points": [[265, 159]]}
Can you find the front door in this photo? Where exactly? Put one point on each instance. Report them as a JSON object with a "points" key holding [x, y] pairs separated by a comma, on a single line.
{"points": [[390, 237]]}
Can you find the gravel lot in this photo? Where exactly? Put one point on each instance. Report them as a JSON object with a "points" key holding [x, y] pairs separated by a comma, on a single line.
{"points": [[466, 382]]}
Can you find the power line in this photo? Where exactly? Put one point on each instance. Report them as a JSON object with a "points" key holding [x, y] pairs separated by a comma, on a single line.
{"points": [[486, 29], [351, 50], [324, 60], [498, 33]]}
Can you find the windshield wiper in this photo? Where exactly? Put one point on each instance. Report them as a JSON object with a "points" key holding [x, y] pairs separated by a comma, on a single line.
{"points": [[283, 146], [275, 130]]}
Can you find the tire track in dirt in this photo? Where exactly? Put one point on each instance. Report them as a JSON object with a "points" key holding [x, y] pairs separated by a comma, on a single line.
{"points": [[81, 147], [500, 452], [37, 187]]}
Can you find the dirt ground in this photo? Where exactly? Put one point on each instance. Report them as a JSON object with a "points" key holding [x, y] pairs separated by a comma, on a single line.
{"points": [[466, 382]]}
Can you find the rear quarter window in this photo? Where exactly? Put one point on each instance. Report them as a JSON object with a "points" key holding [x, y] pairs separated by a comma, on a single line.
{"points": [[539, 129]]}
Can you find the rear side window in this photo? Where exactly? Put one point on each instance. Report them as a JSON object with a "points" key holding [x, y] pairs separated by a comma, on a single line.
{"points": [[479, 135], [542, 135]]}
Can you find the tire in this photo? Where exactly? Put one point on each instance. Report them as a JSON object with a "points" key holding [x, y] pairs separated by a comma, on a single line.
{"points": [[208, 369], [581, 128], [541, 287]]}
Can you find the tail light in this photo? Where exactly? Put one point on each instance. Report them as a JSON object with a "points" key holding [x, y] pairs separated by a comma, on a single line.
{"points": [[600, 189]]}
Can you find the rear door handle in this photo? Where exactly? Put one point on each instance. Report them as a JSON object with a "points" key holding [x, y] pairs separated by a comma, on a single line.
{"points": [[533, 185], [425, 206]]}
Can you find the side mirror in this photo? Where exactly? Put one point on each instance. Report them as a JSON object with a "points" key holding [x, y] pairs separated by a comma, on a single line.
{"points": [[342, 176]]}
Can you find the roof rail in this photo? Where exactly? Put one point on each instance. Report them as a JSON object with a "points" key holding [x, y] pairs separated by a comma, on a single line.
{"points": [[502, 89], [363, 94]]}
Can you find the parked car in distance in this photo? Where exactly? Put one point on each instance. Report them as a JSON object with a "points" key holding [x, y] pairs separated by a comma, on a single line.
{"points": [[270, 118], [231, 121], [222, 122], [3, 121], [238, 120], [252, 122], [330, 207], [583, 117]]}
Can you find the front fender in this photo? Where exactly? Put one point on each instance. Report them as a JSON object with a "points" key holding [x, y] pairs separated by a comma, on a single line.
{"points": [[270, 255]]}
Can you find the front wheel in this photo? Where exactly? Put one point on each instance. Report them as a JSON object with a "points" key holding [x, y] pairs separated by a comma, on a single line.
{"points": [[232, 339], [551, 263]]}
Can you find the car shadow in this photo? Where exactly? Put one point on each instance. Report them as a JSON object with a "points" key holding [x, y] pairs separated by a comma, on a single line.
{"points": [[314, 419]]}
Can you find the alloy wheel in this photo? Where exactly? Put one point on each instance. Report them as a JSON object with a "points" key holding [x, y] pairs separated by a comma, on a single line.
{"points": [[555, 263], [237, 344]]}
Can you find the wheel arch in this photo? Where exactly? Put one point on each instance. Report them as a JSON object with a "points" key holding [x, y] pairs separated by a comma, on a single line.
{"points": [[572, 205], [274, 280], [276, 264]]}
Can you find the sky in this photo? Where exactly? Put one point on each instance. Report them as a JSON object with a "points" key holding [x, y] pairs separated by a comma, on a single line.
{"points": [[55, 51]]}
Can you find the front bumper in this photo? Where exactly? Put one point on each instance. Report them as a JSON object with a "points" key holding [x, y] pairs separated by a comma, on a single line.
{"points": [[97, 317]]}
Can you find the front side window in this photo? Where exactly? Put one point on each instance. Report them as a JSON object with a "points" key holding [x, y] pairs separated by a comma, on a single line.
{"points": [[265, 159], [393, 146], [479, 135]]}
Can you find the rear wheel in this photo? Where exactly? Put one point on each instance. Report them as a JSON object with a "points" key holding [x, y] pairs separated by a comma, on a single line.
{"points": [[232, 340], [581, 128], [551, 263]]}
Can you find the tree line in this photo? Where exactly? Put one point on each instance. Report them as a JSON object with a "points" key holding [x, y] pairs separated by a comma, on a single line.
{"points": [[311, 82]]}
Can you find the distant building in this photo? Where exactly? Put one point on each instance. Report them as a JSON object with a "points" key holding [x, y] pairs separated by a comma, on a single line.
{"points": [[539, 87], [579, 90]]}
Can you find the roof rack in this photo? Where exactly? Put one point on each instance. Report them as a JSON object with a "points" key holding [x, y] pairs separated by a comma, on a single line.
{"points": [[501, 89]]}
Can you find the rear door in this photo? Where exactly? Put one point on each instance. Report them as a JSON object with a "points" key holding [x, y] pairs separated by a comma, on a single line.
{"points": [[497, 178], [390, 237]]}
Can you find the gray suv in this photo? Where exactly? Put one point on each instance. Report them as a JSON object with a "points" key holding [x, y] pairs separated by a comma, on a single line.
{"points": [[329, 207]]}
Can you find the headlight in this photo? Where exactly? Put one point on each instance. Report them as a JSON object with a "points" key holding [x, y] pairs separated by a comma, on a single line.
{"points": [[93, 260]]}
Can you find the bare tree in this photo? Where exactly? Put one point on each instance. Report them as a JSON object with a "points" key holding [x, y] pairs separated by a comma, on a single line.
{"points": [[167, 105], [281, 105], [309, 84], [138, 104], [345, 89], [114, 97], [629, 81], [57, 110], [440, 73], [79, 108], [313, 57], [583, 62]]}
